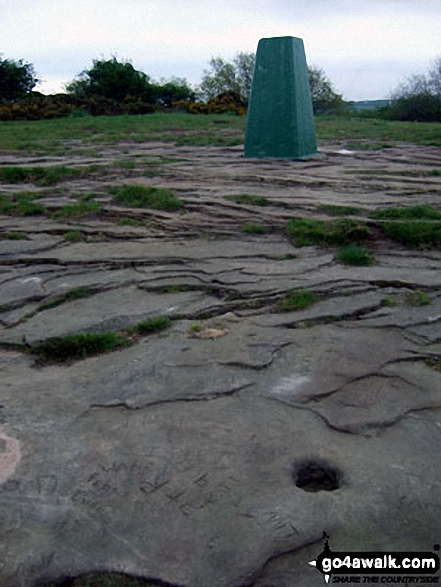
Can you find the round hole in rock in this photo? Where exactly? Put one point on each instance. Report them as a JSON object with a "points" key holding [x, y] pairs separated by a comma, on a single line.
{"points": [[316, 476]]}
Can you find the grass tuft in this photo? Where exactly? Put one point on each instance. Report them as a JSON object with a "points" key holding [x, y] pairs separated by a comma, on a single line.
{"points": [[138, 196], [250, 228], [414, 233], [80, 346], [334, 210], [417, 298], [38, 175], [74, 294], [296, 300], [150, 325], [21, 204], [419, 212], [336, 232], [247, 199], [354, 255], [14, 236], [79, 210]]}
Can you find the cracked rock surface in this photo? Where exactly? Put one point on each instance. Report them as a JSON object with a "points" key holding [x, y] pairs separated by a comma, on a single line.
{"points": [[175, 459]]}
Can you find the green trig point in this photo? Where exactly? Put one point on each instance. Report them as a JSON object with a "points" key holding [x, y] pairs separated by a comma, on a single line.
{"points": [[280, 118]]}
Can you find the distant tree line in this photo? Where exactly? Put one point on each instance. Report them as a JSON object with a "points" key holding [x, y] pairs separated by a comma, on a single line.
{"points": [[110, 86]]}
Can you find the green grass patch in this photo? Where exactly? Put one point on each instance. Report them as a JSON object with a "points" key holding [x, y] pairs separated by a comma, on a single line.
{"points": [[250, 228], [130, 222], [247, 199], [80, 346], [86, 197], [355, 255], [336, 232], [380, 133], [38, 175], [414, 233], [418, 212], [79, 210], [74, 236], [138, 196], [150, 325], [296, 300], [21, 204], [14, 236], [390, 301], [74, 294], [434, 364], [417, 298], [334, 210]]}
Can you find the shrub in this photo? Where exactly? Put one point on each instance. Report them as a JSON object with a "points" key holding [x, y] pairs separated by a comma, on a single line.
{"points": [[423, 107], [139, 196]]}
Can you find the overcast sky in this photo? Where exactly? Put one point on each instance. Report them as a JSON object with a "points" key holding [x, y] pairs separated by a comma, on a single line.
{"points": [[366, 47]]}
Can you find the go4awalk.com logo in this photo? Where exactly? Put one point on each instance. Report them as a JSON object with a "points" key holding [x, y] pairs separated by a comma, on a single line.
{"points": [[384, 568]]}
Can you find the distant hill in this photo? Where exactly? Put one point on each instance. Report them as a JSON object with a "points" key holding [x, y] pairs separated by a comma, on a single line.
{"points": [[370, 104]]}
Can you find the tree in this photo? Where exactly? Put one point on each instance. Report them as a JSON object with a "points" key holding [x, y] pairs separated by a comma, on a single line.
{"points": [[418, 98], [112, 79], [237, 77], [219, 79], [418, 84], [172, 91], [324, 98], [244, 68], [17, 79]]}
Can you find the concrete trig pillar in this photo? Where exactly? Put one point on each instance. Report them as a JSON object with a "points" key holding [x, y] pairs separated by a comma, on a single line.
{"points": [[280, 117]]}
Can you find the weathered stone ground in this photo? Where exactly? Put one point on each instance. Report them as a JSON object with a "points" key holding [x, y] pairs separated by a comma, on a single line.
{"points": [[176, 459]]}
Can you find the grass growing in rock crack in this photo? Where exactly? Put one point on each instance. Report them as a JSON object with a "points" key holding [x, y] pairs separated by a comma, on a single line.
{"points": [[355, 255], [130, 222], [250, 228], [419, 212], [414, 233], [434, 364], [20, 204], [417, 298], [39, 175], [334, 232], [150, 325], [80, 346], [247, 199], [74, 294], [74, 236], [390, 301], [80, 210], [138, 196], [296, 300], [334, 210], [14, 236]]}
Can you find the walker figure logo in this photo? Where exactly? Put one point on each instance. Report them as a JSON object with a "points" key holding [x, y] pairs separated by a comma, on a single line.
{"points": [[412, 567]]}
